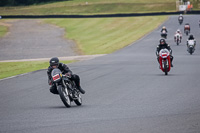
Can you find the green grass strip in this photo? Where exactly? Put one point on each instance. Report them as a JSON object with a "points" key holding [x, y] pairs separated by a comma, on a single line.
{"points": [[8, 69], [106, 35], [92, 7]]}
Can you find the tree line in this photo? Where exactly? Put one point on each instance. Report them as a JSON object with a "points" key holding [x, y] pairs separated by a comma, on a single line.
{"points": [[24, 2]]}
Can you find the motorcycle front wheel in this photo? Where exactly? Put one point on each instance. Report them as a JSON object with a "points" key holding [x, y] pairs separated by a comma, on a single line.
{"points": [[78, 101], [64, 96], [165, 68]]}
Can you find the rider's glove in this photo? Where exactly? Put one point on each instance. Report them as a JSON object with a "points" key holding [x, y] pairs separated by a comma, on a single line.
{"points": [[68, 74]]}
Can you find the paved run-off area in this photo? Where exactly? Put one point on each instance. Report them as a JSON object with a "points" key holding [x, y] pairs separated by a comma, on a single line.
{"points": [[30, 39]]}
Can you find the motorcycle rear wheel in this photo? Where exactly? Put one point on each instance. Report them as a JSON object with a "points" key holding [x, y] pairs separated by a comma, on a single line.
{"points": [[177, 42], [190, 51], [187, 33]]}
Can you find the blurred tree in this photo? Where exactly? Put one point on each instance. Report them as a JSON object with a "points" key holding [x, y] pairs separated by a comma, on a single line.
{"points": [[24, 2]]}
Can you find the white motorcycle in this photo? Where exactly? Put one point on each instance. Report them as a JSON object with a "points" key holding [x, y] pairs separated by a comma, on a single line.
{"points": [[191, 46], [177, 38]]}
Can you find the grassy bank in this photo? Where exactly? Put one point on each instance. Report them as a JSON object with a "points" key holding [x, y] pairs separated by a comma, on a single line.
{"points": [[106, 35], [92, 7], [93, 36], [8, 69]]}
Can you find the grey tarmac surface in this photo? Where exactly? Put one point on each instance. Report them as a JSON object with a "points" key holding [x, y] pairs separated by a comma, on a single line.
{"points": [[126, 92], [29, 39]]}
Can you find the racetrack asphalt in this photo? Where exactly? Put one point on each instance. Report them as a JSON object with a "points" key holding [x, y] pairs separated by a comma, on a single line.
{"points": [[126, 92], [32, 39]]}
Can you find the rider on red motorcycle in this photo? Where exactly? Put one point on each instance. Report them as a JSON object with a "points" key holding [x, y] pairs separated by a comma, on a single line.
{"points": [[187, 27], [163, 45], [54, 63]]}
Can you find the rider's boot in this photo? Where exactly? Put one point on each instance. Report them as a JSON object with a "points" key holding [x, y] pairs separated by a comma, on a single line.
{"points": [[81, 90]]}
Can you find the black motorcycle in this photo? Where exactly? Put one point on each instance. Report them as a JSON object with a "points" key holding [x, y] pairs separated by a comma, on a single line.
{"points": [[67, 89]]}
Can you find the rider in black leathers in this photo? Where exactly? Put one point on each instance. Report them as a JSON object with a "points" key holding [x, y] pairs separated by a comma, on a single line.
{"points": [[191, 37], [163, 28], [54, 63], [180, 18], [163, 45]]}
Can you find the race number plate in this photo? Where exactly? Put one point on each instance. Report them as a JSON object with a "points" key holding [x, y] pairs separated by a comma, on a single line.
{"points": [[56, 77]]}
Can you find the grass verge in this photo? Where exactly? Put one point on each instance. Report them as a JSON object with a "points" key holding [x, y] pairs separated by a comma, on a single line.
{"points": [[93, 36], [92, 7], [8, 69], [106, 35]]}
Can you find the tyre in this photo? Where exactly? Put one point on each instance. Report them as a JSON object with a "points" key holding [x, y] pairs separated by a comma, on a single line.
{"points": [[78, 101], [191, 51], [177, 42], [165, 68], [187, 33], [63, 92]]}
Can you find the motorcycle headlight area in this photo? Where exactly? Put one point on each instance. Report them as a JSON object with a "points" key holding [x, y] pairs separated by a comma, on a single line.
{"points": [[56, 77]]}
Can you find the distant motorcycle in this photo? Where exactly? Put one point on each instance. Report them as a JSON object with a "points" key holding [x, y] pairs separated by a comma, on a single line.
{"points": [[177, 38], [187, 29], [191, 46], [66, 88], [164, 34], [199, 23], [164, 60], [180, 20]]}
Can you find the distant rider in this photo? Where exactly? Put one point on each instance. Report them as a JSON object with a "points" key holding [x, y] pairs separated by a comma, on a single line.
{"points": [[54, 63], [163, 29], [187, 27], [199, 23], [178, 32], [164, 45], [180, 18], [191, 37]]}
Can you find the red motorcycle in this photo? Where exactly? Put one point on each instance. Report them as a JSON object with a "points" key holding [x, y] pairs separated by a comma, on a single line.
{"points": [[164, 60]]}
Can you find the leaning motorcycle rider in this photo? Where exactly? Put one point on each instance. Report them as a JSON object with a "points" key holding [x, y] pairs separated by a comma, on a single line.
{"points": [[54, 63], [164, 45]]}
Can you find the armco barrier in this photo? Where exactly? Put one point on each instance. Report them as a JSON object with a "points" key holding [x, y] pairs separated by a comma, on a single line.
{"points": [[97, 16]]}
